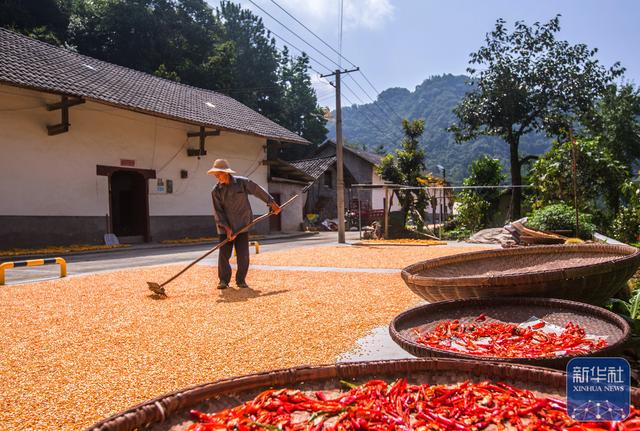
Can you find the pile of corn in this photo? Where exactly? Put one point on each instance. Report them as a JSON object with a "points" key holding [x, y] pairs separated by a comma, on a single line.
{"points": [[76, 350], [407, 241], [358, 257]]}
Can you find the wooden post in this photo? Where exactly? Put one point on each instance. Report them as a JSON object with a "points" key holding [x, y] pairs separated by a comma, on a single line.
{"points": [[339, 162], [339, 153], [386, 212]]}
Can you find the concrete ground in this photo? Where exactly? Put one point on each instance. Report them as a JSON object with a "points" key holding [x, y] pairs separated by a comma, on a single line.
{"points": [[113, 260]]}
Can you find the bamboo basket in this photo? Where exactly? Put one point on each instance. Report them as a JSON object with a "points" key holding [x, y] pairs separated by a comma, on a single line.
{"points": [[590, 273], [171, 412], [595, 320]]}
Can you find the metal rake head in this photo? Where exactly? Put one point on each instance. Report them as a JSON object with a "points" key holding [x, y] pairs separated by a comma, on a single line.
{"points": [[156, 288]]}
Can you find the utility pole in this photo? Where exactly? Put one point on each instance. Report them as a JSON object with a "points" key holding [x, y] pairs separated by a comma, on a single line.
{"points": [[339, 152]]}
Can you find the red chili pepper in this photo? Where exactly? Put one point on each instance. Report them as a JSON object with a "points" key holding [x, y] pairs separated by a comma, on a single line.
{"points": [[378, 406], [507, 340]]}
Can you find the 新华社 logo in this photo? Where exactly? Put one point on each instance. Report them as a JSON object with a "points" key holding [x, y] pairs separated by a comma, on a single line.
{"points": [[598, 389]]}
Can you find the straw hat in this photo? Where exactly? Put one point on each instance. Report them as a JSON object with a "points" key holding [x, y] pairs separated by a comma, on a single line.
{"points": [[221, 165]]}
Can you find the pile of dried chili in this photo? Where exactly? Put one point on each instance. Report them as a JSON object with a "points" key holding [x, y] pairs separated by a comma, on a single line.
{"points": [[377, 405], [483, 338]]}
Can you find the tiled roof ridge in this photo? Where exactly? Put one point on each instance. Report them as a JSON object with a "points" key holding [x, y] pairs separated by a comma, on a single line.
{"points": [[42, 66]]}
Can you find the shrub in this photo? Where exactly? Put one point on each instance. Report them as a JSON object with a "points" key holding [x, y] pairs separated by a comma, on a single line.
{"points": [[472, 211], [626, 225], [561, 217]]}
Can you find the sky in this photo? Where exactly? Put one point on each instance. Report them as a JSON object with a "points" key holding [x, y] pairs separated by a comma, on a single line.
{"points": [[400, 43]]}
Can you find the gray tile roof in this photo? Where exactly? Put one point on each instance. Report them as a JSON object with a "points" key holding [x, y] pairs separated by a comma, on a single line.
{"points": [[372, 158], [314, 167], [29, 63]]}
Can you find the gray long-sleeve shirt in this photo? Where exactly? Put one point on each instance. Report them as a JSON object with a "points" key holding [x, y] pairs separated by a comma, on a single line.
{"points": [[231, 202]]}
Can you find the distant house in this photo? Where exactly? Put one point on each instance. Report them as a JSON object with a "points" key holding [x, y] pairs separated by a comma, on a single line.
{"points": [[90, 147], [361, 166], [322, 196], [286, 181]]}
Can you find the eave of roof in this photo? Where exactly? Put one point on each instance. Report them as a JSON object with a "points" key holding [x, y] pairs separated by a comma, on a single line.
{"points": [[35, 65]]}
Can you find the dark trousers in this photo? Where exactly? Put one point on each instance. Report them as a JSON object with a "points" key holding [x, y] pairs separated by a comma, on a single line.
{"points": [[242, 254]]}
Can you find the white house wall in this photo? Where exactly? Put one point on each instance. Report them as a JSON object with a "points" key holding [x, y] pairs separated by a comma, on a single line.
{"points": [[291, 216], [43, 175], [377, 195]]}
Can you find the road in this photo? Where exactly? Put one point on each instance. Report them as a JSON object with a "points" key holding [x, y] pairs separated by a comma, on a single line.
{"points": [[121, 259]]}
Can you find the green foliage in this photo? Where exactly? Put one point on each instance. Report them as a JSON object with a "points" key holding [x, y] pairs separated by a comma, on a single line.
{"points": [[616, 123], [485, 171], [626, 225], [459, 233], [630, 311], [227, 49], [45, 20], [598, 177], [561, 217], [406, 168], [301, 113], [529, 81], [473, 211], [477, 205], [433, 100]]}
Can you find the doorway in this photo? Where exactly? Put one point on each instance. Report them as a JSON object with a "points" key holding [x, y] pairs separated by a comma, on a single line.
{"points": [[128, 202], [275, 221]]}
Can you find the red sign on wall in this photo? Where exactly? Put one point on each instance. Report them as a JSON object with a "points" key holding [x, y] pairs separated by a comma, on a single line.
{"points": [[127, 162]]}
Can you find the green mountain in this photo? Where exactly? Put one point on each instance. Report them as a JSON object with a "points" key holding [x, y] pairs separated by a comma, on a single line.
{"points": [[371, 125]]}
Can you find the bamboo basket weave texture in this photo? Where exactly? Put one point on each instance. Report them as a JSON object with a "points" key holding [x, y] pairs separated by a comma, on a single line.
{"points": [[589, 273], [595, 320], [171, 412]]}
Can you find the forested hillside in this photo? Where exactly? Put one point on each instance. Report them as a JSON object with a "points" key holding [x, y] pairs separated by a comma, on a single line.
{"points": [[377, 126]]}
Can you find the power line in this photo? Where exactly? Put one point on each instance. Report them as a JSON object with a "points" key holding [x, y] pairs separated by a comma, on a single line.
{"points": [[310, 31], [322, 64], [377, 92], [385, 114], [294, 33], [340, 56], [302, 51], [340, 44], [373, 123]]}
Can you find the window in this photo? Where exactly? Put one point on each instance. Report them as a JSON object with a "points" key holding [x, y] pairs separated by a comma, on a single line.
{"points": [[328, 179]]}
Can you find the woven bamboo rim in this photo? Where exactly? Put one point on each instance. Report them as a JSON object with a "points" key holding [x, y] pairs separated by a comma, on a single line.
{"points": [[596, 320], [156, 411], [595, 281]]}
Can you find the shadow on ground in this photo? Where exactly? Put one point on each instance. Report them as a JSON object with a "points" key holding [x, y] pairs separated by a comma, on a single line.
{"points": [[241, 295]]}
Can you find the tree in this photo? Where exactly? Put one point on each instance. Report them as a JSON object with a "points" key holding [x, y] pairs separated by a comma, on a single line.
{"points": [[406, 168], [45, 20], [616, 123], [599, 177], [530, 81], [478, 205], [256, 64], [180, 36], [300, 113]]}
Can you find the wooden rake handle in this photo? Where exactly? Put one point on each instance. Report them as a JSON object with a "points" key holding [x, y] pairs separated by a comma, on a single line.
{"points": [[226, 240]]}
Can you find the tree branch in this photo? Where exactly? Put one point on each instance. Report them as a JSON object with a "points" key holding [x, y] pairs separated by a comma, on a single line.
{"points": [[528, 159]]}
